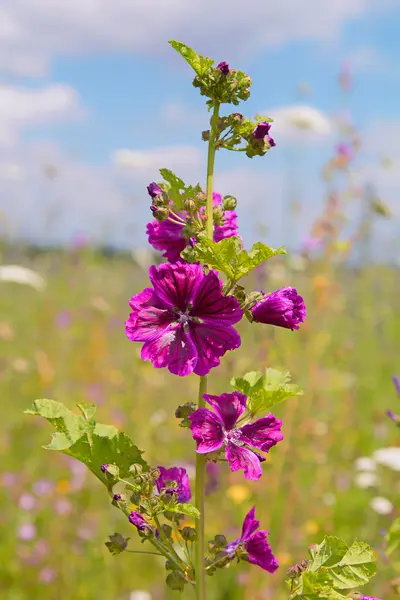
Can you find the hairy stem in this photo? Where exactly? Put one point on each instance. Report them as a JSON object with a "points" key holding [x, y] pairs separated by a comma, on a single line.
{"points": [[210, 169], [199, 497]]}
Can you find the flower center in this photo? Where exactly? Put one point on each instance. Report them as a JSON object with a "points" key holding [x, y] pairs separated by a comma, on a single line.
{"points": [[184, 317], [234, 436]]}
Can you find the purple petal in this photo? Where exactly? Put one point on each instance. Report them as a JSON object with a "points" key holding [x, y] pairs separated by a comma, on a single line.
{"points": [[396, 382], [147, 321], [211, 306], [173, 349], [207, 430], [229, 227], [211, 344], [228, 407], [166, 236], [263, 433], [174, 285], [179, 475], [283, 308], [260, 552], [250, 524], [241, 458]]}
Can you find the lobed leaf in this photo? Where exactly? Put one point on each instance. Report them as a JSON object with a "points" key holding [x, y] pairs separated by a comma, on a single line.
{"points": [[177, 189], [265, 390], [200, 64], [227, 256], [82, 438]]}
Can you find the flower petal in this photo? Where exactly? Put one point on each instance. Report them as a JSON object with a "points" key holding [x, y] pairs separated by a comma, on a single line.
{"points": [[250, 524], [174, 285], [228, 407], [174, 349], [211, 306], [207, 430], [166, 236], [178, 474], [211, 344], [263, 433], [241, 458], [260, 552]]}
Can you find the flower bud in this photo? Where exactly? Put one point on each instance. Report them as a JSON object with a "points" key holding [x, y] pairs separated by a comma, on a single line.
{"points": [[188, 534], [205, 135], [220, 541], [223, 67], [161, 214], [135, 469], [218, 214], [200, 199], [229, 203], [169, 565], [167, 529], [153, 189], [110, 471], [189, 205]]}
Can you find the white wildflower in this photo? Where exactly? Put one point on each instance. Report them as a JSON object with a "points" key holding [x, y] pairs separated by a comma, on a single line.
{"points": [[365, 463], [381, 505], [389, 457]]}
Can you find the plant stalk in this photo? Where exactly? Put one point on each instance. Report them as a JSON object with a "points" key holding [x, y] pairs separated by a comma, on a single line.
{"points": [[200, 571]]}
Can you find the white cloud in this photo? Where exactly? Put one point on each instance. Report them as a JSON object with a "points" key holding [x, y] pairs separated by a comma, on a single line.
{"points": [[21, 106], [300, 122], [147, 162], [369, 59], [32, 33]]}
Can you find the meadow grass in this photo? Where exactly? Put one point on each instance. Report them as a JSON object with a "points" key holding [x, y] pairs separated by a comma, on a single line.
{"points": [[68, 343]]}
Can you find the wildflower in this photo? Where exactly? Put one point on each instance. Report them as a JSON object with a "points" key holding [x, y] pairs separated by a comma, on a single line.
{"points": [[166, 236], [389, 457], [365, 463], [185, 321], [283, 308], [396, 382], [27, 531], [154, 190], [214, 430], [27, 502], [180, 477], [261, 132], [254, 543], [47, 575], [141, 524], [223, 67], [366, 479], [381, 505]]}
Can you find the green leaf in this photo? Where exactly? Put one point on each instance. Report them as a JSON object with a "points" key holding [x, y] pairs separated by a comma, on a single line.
{"points": [[82, 438], [265, 391], [393, 537], [177, 189], [200, 64], [117, 543], [330, 552], [316, 586], [227, 256], [184, 509], [356, 567]]}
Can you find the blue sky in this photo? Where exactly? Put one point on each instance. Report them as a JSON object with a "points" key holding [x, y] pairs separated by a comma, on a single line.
{"points": [[83, 80]]}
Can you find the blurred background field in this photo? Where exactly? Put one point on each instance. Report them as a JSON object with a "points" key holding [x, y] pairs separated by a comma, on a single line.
{"points": [[87, 117], [67, 342]]}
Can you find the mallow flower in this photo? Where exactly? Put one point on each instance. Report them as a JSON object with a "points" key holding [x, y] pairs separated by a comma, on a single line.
{"points": [[216, 429], [254, 543], [179, 476], [142, 525], [184, 320], [283, 308], [261, 131], [166, 236]]}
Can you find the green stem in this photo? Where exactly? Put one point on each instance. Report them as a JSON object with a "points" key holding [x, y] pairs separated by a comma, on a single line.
{"points": [[200, 571], [199, 497], [210, 169], [144, 552]]}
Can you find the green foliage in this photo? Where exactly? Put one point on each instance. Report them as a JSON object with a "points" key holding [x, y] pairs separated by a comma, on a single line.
{"points": [[227, 256], [334, 567], [175, 581], [200, 64], [82, 438], [176, 188], [117, 543], [393, 537], [265, 390], [183, 509]]}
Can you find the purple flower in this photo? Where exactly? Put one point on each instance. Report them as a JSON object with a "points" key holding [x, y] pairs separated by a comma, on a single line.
{"points": [[141, 524], [104, 468], [396, 382], [180, 476], [214, 430], [166, 236], [153, 189], [185, 321], [223, 67], [283, 308], [117, 497], [369, 598], [42, 487], [230, 227], [255, 544], [27, 531], [261, 131]]}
